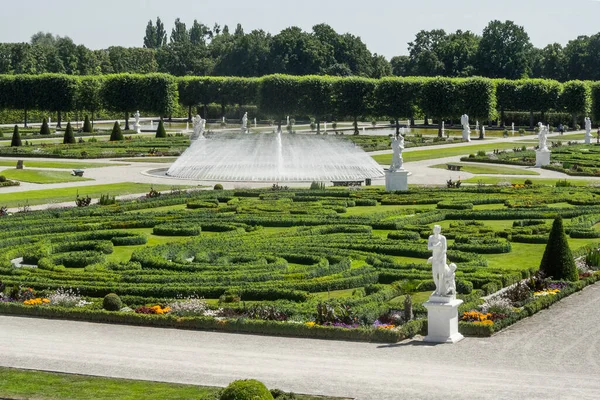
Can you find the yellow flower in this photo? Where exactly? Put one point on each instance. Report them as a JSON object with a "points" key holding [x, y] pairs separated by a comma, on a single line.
{"points": [[310, 324]]}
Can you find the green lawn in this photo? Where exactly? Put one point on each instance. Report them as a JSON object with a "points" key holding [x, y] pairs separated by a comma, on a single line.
{"points": [[56, 164], [148, 159], [27, 384], [489, 169], [47, 196], [437, 152], [41, 176], [493, 180]]}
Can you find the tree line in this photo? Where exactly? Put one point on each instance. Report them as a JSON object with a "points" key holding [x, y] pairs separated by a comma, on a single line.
{"points": [[503, 50], [319, 97]]}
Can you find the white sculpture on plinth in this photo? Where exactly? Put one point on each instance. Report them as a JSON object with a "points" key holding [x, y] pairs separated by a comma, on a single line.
{"points": [[542, 137], [245, 123], [466, 132], [397, 148], [443, 129], [136, 126], [588, 130], [442, 306], [513, 129], [198, 127]]}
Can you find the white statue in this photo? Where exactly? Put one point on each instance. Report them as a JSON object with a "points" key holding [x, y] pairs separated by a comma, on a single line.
{"points": [[513, 128], [443, 129], [588, 126], [543, 131], [255, 122], [397, 148], [483, 131], [443, 274], [466, 132], [198, 126], [137, 126], [245, 123]]}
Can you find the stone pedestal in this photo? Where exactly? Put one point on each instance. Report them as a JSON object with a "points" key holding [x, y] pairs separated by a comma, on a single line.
{"points": [[542, 157], [588, 139], [396, 180], [466, 135], [442, 320]]}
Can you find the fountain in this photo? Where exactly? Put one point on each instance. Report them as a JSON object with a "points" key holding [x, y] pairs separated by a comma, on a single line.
{"points": [[274, 157]]}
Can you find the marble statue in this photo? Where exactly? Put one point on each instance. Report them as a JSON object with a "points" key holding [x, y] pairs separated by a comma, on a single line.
{"points": [[198, 127], [397, 148], [466, 132], [137, 126], [254, 122], [543, 131], [482, 132], [513, 129], [443, 274], [588, 126], [443, 129], [245, 123]]}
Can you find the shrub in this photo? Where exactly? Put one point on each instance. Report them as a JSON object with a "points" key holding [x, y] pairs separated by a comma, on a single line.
{"points": [[464, 287], [528, 182], [218, 186], [426, 286], [314, 185], [45, 129], [2, 179], [112, 302], [107, 199], [87, 125], [160, 130], [558, 261], [69, 137], [116, 133], [247, 389], [563, 183], [16, 138], [176, 229]]}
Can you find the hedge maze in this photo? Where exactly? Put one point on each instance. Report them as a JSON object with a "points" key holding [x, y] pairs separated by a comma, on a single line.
{"points": [[279, 261]]}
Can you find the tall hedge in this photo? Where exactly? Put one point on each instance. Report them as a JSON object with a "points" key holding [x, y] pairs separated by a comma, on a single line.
{"points": [[439, 99], [89, 94], [557, 261], [196, 90], [56, 93], [353, 97], [277, 96], [315, 97], [16, 138], [507, 97], [576, 99], [595, 91], [476, 98], [397, 97], [538, 95]]}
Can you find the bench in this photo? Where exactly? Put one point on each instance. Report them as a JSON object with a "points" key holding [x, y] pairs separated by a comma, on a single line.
{"points": [[454, 167], [347, 183], [77, 172]]}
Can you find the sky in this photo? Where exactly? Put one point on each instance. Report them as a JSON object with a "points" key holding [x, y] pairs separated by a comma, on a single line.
{"points": [[386, 26]]}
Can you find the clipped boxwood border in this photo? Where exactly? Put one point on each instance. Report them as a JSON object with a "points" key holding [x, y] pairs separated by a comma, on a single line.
{"points": [[240, 325], [531, 308]]}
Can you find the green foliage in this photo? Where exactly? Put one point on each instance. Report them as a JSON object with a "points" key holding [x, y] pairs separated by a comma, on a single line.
{"points": [[274, 96], [576, 98], [353, 97], [45, 129], [69, 137], [160, 130], [112, 302], [397, 97], [87, 125], [218, 186], [106, 200], [248, 389], [116, 133], [557, 261], [439, 98], [464, 287], [16, 138], [155, 93]]}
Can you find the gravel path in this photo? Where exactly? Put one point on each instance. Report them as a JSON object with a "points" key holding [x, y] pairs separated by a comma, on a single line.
{"points": [[552, 355]]}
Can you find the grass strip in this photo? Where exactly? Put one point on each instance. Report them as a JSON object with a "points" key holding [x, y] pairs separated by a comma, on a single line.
{"points": [[488, 169], [40, 176]]}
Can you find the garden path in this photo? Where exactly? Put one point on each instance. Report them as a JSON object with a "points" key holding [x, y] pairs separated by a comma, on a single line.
{"points": [[553, 354]]}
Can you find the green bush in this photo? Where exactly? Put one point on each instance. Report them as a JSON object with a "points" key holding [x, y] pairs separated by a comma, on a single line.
{"points": [[248, 389], [16, 138], [464, 287], [160, 130], [176, 229], [87, 125], [112, 302], [45, 129], [558, 261], [69, 137], [218, 186], [116, 133]]}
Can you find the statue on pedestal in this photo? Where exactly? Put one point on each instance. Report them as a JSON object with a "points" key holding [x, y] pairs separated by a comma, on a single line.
{"points": [[397, 148], [137, 125], [245, 123], [588, 127], [543, 132], [466, 132], [198, 127], [443, 274]]}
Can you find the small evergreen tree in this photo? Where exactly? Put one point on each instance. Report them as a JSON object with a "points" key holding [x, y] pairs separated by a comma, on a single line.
{"points": [[116, 132], [45, 129], [160, 131], [558, 261], [16, 138], [69, 137], [87, 125]]}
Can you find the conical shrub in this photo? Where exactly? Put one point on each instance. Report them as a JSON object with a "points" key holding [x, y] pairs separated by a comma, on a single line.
{"points": [[558, 261], [116, 133], [160, 131], [16, 138], [87, 125], [69, 137], [45, 129]]}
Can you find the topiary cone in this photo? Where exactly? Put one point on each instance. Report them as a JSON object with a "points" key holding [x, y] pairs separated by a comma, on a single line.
{"points": [[557, 261], [87, 125], [160, 130], [69, 137], [116, 133], [45, 129], [16, 138]]}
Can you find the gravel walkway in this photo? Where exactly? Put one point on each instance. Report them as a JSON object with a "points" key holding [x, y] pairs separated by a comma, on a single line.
{"points": [[552, 355]]}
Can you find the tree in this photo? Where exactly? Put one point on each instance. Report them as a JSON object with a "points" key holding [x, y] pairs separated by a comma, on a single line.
{"points": [[69, 137], [423, 53], [179, 33], [150, 39], [507, 96], [56, 93], [381, 67], [576, 99], [438, 99], [400, 65], [348, 50], [552, 62], [595, 87], [353, 97], [274, 97], [476, 97], [160, 131], [116, 133], [296, 52], [457, 53], [315, 97], [503, 51], [44, 129], [246, 55], [133, 60], [557, 261], [397, 97], [87, 126], [16, 138], [538, 95]]}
